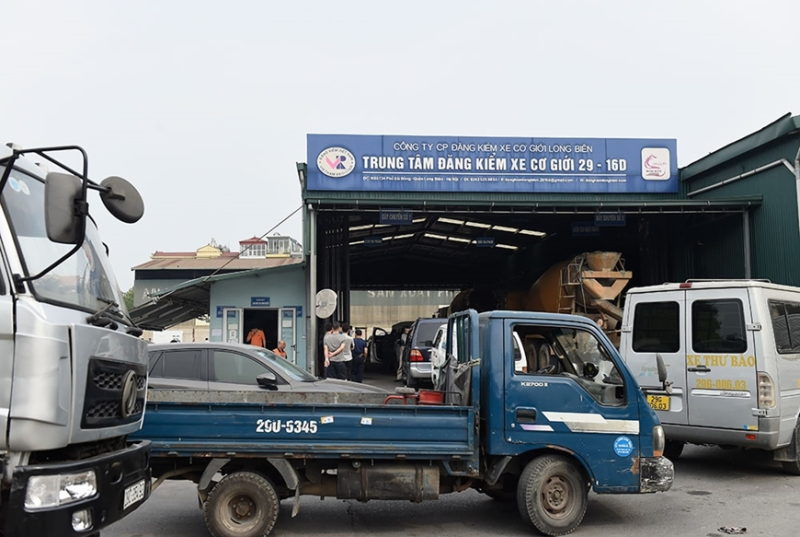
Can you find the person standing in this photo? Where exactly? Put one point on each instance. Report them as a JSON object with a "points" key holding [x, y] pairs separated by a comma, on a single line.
{"points": [[347, 352], [401, 346], [334, 343], [360, 352], [280, 350], [256, 337]]}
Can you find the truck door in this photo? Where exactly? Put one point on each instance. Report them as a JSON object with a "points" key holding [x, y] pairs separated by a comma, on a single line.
{"points": [[6, 353], [232, 325], [287, 332], [721, 364], [654, 324], [581, 401]]}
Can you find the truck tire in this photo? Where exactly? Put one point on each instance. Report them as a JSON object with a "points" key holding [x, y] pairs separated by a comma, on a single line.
{"points": [[242, 504], [673, 449], [793, 467], [552, 495]]}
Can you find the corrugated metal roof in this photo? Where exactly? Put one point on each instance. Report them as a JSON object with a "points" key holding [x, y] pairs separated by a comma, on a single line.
{"points": [[761, 137], [217, 262]]}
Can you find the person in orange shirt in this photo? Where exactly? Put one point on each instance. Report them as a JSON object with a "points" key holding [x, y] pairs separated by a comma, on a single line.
{"points": [[280, 350], [256, 337]]}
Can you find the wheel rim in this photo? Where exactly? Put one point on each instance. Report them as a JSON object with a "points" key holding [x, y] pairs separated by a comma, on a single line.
{"points": [[242, 509], [557, 497]]}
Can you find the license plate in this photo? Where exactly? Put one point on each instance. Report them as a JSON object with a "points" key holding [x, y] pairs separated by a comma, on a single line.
{"points": [[658, 402], [133, 494]]}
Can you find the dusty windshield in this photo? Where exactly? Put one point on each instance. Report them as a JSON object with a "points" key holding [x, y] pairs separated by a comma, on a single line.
{"points": [[84, 279]]}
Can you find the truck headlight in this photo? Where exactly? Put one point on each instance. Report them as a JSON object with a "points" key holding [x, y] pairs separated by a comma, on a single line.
{"points": [[52, 490], [659, 441]]}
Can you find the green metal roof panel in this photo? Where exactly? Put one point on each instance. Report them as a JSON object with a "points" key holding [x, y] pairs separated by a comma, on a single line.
{"points": [[771, 132]]}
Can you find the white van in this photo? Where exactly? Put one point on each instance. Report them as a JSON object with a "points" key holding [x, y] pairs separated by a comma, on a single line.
{"points": [[732, 354]]}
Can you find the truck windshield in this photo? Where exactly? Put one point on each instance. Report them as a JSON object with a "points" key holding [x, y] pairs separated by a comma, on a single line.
{"points": [[84, 280]]}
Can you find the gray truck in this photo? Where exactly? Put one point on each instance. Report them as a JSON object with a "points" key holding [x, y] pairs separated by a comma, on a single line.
{"points": [[73, 369]]}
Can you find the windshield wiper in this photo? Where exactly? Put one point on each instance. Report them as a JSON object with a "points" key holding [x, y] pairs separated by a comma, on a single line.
{"points": [[108, 316]]}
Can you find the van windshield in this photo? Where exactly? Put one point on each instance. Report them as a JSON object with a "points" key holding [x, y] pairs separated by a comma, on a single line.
{"points": [[85, 279]]}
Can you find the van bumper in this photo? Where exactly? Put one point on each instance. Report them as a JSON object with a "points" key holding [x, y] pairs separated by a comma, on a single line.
{"points": [[656, 474], [115, 473], [766, 437]]}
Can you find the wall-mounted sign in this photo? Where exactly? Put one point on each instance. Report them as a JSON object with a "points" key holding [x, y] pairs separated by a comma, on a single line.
{"points": [[609, 219], [585, 229], [220, 308], [298, 310], [396, 217], [483, 164], [259, 301], [372, 242], [484, 242]]}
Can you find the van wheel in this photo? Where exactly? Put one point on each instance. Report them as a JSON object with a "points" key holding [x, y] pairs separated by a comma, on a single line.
{"points": [[793, 467], [673, 449], [242, 504], [552, 495]]}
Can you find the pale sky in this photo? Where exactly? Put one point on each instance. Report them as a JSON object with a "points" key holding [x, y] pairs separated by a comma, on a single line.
{"points": [[205, 106]]}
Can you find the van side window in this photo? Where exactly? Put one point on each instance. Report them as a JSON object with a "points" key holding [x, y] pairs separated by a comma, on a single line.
{"points": [[718, 326], [785, 326], [656, 327]]}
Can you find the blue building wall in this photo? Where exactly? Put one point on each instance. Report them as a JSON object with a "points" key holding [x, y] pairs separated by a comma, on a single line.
{"points": [[285, 287]]}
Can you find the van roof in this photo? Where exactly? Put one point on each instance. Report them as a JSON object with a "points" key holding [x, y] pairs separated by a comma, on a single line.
{"points": [[712, 284]]}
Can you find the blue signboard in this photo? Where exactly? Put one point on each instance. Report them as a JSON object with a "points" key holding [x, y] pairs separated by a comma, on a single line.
{"points": [[298, 310], [609, 219], [396, 217], [482, 164], [371, 242], [259, 301], [219, 310], [484, 242], [585, 229]]}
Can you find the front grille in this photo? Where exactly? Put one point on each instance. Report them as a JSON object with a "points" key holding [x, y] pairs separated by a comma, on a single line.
{"points": [[113, 381], [103, 401]]}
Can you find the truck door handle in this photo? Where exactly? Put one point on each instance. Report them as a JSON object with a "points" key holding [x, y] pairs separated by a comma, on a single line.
{"points": [[526, 415], [699, 369]]}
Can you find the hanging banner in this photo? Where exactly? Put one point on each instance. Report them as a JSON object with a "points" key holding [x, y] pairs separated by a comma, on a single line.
{"points": [[473, 164]]}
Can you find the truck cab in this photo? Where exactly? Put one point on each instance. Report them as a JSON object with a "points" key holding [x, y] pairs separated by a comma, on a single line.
{"points": [[73, 369]]}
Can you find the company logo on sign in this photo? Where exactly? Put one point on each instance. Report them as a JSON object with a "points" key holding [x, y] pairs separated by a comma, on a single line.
{"points": [[336, 162], [655, 164]]}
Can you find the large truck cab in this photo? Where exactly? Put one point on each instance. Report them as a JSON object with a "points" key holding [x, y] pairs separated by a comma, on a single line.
{"points": [[73, 369]]}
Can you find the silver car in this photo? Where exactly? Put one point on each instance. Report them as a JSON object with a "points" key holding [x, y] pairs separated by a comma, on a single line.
{"points": [[235, 367]]}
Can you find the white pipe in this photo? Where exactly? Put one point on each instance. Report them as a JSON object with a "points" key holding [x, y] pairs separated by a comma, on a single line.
{"points": [[746, 174]]}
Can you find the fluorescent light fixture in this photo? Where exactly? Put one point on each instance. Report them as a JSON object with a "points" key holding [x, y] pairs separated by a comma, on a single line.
{"points": [[534, 233], [451, 221], [507, 229], [506, 246], [356, 243], [361, 228], [418, 220], [398, 237], [458, 239], [435, 236], [478, 224]]}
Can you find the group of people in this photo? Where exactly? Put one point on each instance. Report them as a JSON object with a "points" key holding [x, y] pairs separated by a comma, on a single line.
{"points": [[257, 338], [344, 353]]}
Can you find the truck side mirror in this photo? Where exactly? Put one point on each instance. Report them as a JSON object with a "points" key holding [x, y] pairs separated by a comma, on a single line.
{"points": [[64, 224], [662, 374], [267, 380]]}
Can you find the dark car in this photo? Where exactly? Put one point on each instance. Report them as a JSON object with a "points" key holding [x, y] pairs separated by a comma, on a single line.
{"points": [[383, 345], [235, 367], [417, 354]]}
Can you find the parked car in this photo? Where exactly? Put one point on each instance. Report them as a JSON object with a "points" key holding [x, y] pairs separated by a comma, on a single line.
{"points": [[235, 367], [383, 345], [417, 353]]}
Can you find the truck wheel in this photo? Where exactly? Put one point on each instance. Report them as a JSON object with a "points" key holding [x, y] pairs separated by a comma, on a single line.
{"points": [[673, 449], [552, 495], [242, 504], [793, 467]]}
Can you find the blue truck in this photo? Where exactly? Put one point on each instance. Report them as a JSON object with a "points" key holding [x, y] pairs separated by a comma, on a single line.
{"points": [[542, 438]]}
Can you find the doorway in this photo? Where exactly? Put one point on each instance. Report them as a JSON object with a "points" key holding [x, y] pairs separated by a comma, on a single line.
{"points": [[266, 320]]}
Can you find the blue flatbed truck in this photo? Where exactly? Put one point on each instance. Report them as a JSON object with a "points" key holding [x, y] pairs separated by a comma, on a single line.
{"points": [[577, 421]]}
